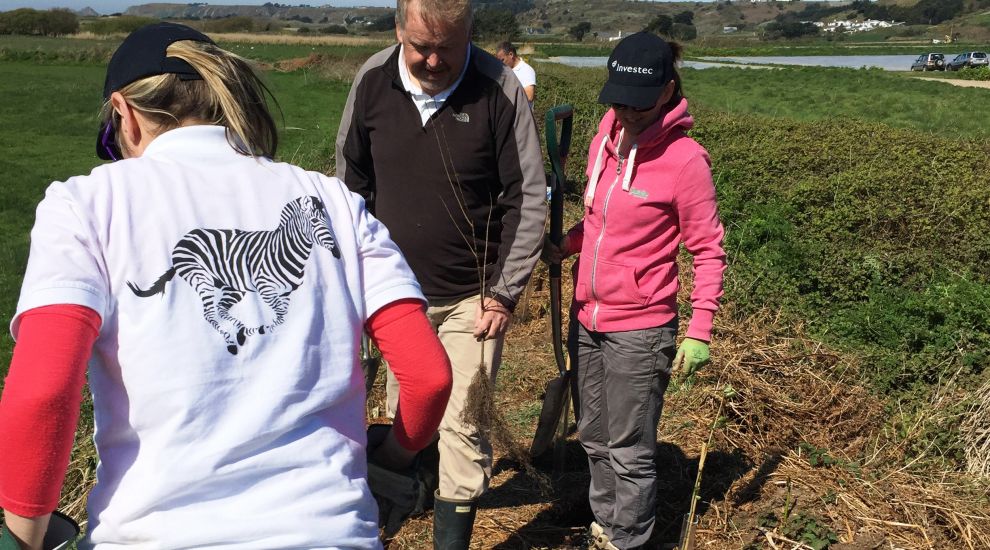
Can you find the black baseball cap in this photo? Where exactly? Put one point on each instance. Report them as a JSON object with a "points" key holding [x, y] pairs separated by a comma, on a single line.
{"points": [[638, 69], [140, 55]]}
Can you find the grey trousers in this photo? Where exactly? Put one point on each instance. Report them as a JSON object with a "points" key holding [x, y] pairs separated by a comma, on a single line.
{"points": [[622, 377]]}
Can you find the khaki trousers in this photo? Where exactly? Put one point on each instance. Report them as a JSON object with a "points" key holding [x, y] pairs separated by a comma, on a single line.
{"points": [[465, 456]]}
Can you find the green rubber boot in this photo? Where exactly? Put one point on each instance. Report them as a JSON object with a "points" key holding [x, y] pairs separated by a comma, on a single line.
{"points": [[453, 521]]}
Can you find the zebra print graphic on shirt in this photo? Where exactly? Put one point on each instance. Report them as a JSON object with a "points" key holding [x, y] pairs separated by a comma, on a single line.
{"points": [[222, 265]]}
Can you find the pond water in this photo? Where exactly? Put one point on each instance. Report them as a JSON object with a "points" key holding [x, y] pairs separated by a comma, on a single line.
{"points": [[885, 62]]}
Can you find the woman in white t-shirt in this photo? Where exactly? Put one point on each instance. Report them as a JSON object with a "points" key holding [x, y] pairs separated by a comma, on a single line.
{"points": [[218, 298]]}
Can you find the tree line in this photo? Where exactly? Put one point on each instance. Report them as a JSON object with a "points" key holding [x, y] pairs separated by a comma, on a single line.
{"points": [[29, 21]]}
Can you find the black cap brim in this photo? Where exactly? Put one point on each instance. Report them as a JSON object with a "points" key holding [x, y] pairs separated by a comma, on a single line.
{"points": [[637, 97]]}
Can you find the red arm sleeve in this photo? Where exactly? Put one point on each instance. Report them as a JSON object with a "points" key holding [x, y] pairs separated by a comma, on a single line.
{"points": [[40, 405], [414, 353]]}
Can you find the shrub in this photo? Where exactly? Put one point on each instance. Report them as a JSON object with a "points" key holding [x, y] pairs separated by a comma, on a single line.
{"points": [[660, 24], [681, 31], [877, 239], [979, 73], [28, 21], [578, 31], [230, 24], [124, 24], [493, 24]]}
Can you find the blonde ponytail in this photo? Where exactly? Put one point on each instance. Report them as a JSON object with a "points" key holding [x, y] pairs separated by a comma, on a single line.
{"points": [[231, 94]]}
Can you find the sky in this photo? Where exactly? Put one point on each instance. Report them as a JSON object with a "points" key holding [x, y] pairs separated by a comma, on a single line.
{"points": [[113, 6]]}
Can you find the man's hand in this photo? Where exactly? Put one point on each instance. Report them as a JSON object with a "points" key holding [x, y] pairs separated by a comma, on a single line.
{"points": [[691, 356], [491, 320]]}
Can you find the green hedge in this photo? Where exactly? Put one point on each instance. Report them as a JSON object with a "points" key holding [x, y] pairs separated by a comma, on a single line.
{"points": [[876, 237], [981, 73]]}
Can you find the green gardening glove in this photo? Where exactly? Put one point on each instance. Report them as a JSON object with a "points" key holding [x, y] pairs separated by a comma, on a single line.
{"points": [[691, 356]]}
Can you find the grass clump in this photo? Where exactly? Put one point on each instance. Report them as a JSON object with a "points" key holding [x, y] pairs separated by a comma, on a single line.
{"points": [[817, 93]]}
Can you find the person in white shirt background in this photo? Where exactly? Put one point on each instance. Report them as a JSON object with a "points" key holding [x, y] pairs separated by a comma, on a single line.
{"points": [[218, 298], [506, 53]]}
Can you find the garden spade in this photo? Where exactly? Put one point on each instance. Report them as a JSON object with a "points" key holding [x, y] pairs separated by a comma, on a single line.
{"points": [[557, 391]]}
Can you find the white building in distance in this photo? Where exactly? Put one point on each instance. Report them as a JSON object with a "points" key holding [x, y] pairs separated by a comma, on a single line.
{"points": [[855, 26]]}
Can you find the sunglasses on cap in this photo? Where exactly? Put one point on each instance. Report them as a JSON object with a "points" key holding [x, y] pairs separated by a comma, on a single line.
{"points": [[621, 107], [107, 147]]}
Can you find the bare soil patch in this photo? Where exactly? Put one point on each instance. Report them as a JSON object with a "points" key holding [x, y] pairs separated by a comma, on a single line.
{"points": [[327, 66], [959, 82], [325, 40]]}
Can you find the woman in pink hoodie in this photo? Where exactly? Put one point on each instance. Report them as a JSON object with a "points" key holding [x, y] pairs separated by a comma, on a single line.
{"points": [[649, 190]]}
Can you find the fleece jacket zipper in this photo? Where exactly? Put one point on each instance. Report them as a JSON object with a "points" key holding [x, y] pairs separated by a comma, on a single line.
{"points": [[598, 243]]}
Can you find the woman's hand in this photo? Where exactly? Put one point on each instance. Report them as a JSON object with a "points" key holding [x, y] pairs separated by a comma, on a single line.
{"points": [[28, 533], [391, 455], [691, 356], [553, 254]]}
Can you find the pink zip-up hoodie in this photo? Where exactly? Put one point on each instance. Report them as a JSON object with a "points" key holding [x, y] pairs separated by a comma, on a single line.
{"points": [[637, 212]]}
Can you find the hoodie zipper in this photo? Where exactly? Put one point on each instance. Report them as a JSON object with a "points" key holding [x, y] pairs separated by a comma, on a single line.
{"points": [[598, 243]]}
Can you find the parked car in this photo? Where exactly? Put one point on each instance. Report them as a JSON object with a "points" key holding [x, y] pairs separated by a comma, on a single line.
{"points": [[968, 59], [929, 62]]}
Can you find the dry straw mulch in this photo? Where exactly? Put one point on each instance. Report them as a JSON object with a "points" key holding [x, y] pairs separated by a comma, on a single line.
{"points": [[976, 432], [800, 444]]}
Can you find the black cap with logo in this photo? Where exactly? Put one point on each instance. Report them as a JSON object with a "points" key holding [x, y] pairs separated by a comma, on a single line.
{"points": [[140, 55], [638, 69]]}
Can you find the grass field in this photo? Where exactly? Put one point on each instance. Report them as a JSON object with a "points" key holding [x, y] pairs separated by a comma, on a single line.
{"points": [[867, 95], [50, 120], [819, 93], [858, 229], [49, 115], [718, 46], [98, 49], [736, 47]]}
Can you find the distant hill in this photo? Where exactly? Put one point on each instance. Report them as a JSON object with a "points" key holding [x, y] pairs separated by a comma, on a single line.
{"points": [[607, 17], [301, 13], [87, 12]]}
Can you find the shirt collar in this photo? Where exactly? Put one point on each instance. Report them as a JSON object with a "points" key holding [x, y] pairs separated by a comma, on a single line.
{"points": [[191, 142], [416, 91]]}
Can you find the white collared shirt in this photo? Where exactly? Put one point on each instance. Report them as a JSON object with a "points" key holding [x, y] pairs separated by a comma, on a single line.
{"points": [[425, 103]]}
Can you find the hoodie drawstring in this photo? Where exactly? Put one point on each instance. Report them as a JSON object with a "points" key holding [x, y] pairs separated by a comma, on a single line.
{"points": [[589, 196], [626, 179]]}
